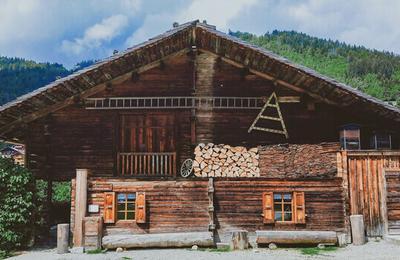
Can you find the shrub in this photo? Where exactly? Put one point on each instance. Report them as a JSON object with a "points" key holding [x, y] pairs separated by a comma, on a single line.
{"points": [[17, 206]]}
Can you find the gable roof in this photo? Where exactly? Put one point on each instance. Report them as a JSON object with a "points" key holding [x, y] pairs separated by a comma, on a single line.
{"points": [[180, 39]]}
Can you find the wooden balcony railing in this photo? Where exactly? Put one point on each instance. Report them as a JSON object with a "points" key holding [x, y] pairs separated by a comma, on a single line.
{"points": [[147, 164]]}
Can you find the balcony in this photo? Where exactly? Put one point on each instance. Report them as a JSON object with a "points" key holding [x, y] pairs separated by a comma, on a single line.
{"points": [[147, 164]]}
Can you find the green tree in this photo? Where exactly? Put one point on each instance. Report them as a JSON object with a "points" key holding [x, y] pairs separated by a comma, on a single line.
{"points": [[17, 207]]}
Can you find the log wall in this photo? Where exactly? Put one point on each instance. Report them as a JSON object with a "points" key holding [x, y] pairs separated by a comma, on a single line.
{"points": [[238, 204], [80, 138], [174, 206]]}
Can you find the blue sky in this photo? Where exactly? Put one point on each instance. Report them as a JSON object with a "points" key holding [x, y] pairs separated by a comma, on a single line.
{"points": [[68, 31]]}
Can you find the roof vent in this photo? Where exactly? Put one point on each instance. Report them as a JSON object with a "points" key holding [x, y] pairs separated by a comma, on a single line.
{"points": [[175, 24]]}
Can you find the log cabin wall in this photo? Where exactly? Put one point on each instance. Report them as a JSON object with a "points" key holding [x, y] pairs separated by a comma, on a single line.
{"points": [[81, 138], [181, 206], [172, 206], [238, 204]]}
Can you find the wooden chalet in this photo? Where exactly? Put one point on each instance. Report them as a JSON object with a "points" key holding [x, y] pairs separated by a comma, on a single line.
{"points": [[196, 131]]}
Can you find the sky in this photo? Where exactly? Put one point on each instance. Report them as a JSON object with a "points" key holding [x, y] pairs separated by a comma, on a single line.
{"points": [[69, 31]]}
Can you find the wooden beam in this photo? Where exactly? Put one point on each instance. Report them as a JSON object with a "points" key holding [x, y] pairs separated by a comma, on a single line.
{"points": [[80, 205], [273, 79]]}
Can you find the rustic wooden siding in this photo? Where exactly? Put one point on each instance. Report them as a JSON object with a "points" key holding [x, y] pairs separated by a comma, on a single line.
{"points": [[362, 173], [393, 201], [238, 204], [172, 206]]}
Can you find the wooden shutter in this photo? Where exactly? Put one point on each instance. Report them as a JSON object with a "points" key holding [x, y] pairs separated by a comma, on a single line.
{"points": [[140, 208], [268, 207], [109, 207], [299, 207]]}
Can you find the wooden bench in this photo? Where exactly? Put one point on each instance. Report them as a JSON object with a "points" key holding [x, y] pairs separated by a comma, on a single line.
{"points": [[296, 237], [202, 239]]}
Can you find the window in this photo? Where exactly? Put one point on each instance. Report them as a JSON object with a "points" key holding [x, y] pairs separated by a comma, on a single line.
{"points": [[126, 206], [350, 137], [381, 141], [279, 207], [283, 206]]}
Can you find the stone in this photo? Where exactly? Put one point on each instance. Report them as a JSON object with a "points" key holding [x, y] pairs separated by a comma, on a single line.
{"points": [[195, 247], [119, 250], [321, 246], [77, 250], [201, 145], [272, 246]]}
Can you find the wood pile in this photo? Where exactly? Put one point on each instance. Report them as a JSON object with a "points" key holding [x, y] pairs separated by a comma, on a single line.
{"points": [[225, 161]]}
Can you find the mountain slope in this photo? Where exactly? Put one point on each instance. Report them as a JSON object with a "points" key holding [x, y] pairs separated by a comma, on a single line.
{"points": [[374, 72]]}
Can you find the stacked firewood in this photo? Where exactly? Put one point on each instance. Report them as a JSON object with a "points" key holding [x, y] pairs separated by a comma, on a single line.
{"points": [[225, 161]]}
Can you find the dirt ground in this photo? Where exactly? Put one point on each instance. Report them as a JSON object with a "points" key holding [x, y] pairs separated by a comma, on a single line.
{"points": [[372, 250]]}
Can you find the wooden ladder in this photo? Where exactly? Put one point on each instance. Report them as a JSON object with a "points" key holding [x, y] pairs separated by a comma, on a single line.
{"points": [[271, 102]]}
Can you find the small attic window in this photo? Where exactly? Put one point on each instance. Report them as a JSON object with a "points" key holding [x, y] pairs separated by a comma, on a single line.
{"points": [[381, 141], [350, 137]]}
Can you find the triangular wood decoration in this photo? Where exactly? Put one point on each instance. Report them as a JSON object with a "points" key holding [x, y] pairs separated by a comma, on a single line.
{"points": [[271, 102]]}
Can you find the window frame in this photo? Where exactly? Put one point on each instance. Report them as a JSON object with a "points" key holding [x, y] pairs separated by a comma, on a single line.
{"points": [[298, 207], [126, 211], [282, 203]]}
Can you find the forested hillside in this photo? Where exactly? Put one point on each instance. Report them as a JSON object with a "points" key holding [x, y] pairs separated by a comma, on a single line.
{"points": [[19, 76], [374, 72]]}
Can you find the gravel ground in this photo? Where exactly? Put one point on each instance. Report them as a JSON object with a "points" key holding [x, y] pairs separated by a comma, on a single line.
{"points": [[372, 250]]}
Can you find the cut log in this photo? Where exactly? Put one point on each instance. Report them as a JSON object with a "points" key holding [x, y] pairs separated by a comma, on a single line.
{"points": [[202, 239], [240, 240], [296, 237]]}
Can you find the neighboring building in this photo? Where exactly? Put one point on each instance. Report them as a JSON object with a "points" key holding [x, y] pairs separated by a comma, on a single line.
{"points": [[16, 152], [276, 146]]}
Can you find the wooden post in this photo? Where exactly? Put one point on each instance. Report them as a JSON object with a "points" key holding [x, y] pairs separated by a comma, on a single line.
{"points": [[240, 240], [357, 229], [62, 238], [80, 205], [211, 225]]}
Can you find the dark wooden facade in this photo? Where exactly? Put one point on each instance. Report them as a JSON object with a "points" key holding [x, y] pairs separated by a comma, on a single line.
{"points": [[129, 150]]}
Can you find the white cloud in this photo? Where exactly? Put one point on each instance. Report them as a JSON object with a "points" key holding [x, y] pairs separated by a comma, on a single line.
{"points": [[218, 13], [96, 35]]}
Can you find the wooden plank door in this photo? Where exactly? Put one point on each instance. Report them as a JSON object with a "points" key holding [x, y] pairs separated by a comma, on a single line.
{"points": [[366, 186], [148, 133]]}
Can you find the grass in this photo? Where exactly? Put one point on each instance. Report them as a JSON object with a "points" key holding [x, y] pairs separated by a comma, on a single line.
{"points": [[316, 250], [96, 251], [126, 258]]}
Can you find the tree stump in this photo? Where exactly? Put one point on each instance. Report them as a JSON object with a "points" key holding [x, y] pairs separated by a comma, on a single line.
{"points": [[240, 240], [62, 238], [357, 229]]}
